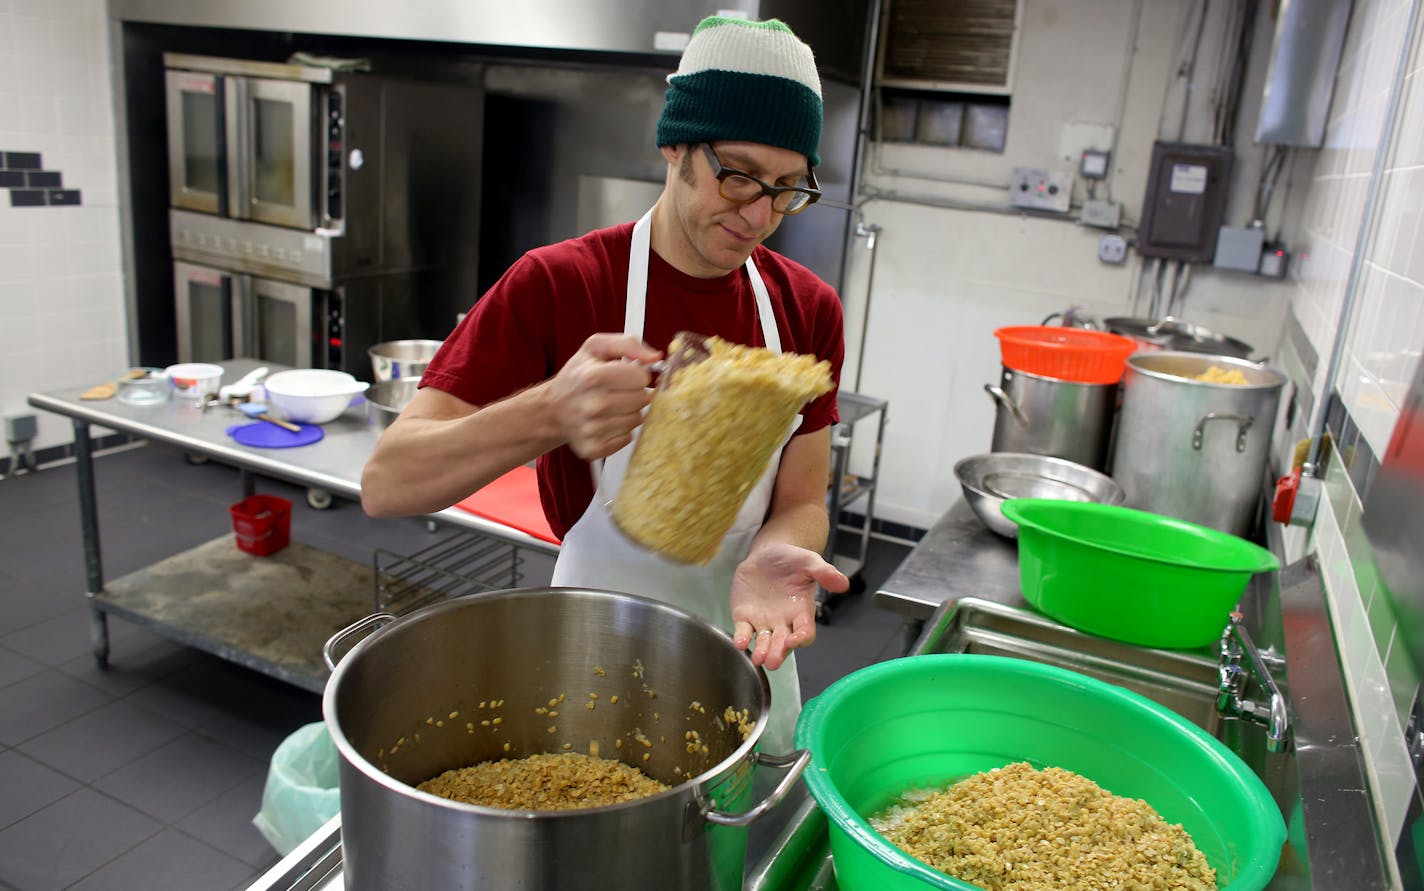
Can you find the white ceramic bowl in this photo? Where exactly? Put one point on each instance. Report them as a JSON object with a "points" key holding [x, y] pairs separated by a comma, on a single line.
{"points": [[194, 380], [312, 395]]}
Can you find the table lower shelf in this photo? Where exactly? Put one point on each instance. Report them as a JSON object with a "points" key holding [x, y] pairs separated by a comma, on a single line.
{"points": [[272, 614]]}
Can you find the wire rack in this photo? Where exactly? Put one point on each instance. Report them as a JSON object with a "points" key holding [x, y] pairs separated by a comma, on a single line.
{"points": [[461, 563]]}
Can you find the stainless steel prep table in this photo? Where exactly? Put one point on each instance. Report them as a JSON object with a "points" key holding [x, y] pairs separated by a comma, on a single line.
{"points": [[185, 597], [958, 557]]}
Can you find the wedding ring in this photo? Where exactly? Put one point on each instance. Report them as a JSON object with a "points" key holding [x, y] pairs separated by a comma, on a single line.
{"points": [[764, 631]]}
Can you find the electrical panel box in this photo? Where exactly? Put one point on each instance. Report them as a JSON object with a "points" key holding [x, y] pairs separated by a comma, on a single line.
{"points": [[1185, 200], [1238, 248], [1103, 214], [20, 428], [1038, 189], [1273, 261]]}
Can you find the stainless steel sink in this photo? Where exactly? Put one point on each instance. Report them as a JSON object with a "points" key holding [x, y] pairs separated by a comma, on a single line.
{"points": [[1184, 681]]}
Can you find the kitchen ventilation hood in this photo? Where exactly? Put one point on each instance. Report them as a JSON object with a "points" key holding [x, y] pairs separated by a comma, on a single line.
{"points": [[614, 26]]}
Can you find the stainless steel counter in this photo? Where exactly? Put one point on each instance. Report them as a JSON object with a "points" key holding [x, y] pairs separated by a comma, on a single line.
{"points": [[958, 557], [1321, 783], [332, 465]]}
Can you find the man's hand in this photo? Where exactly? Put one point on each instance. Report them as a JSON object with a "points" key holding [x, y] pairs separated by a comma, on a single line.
{"points": [[774, 590], [600, 393]]}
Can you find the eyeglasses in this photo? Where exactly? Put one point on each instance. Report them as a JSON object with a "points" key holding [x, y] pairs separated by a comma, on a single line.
{"points": [[743, 188]]}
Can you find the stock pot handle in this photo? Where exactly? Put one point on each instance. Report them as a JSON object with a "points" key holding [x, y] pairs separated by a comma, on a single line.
{"points": [[372, 622], [1007, 401], [795, 762], [1244, 420]]}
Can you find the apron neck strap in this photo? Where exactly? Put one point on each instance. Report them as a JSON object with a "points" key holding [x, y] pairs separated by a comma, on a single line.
{"points": [[636, 303]]}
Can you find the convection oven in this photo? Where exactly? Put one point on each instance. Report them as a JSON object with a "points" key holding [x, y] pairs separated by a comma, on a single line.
{"points": [[298, 192]]}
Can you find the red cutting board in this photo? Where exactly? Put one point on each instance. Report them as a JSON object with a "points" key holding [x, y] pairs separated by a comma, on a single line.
{"points": [[513, 500]]}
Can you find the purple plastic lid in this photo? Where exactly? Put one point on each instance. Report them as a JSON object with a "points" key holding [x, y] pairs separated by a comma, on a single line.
{"points": [[263, 435]]}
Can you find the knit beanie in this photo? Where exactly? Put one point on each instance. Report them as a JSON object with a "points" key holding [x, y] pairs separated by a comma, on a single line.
{"points": [[744, 81]]}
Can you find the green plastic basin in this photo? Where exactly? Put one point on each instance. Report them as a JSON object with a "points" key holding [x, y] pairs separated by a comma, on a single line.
{"points": [[1129, 574], [927, 721]]}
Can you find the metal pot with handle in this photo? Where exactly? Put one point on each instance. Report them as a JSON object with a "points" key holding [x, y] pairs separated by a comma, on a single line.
{"points": [[1046, 416], [1169, 333], [1194, 449], [508, 674]]}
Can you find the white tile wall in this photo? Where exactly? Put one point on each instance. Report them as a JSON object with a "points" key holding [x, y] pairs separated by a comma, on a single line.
{"points": [[61, 287], [1382, 346]]}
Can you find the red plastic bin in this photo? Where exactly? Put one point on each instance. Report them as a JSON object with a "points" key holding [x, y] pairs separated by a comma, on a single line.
{"points": [[262, 524], [1079, 355]]}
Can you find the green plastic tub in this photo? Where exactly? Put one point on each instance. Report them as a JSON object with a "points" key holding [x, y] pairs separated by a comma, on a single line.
{"points": [[927, 721], [1129, 574]]}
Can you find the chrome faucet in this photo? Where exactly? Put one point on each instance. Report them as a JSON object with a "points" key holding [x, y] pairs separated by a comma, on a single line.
{"points": [[1232, 677]]}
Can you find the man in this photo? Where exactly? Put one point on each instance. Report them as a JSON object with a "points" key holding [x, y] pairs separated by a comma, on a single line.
{"points": [[552, 363]]}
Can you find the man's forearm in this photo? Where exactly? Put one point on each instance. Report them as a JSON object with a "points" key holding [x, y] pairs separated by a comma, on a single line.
{"points": [[426, 464], [803, 524]]}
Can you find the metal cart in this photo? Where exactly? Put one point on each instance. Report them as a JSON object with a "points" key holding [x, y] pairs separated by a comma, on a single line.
{"points": [[271, 614], [847, 488]]}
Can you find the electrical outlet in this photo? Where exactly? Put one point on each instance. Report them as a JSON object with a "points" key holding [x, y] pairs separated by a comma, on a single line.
{"points": [[1038, 189], [1112, 249]]}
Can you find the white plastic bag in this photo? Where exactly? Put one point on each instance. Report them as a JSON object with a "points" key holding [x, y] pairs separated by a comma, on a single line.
{"points": [[301, 792]]}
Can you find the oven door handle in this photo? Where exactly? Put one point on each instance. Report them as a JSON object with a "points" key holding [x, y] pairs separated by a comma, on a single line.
{"points": [[244, 316], [236, 96]]}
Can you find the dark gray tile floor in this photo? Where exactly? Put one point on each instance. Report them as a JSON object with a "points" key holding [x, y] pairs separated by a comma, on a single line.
{"points": [[147, 775]]}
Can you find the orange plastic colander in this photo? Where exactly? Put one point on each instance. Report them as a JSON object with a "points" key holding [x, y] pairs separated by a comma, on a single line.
{"points": [[1079, 355]]}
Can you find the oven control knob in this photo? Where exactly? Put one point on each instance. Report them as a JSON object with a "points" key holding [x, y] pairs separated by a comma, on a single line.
{"points": [[356, 159]]}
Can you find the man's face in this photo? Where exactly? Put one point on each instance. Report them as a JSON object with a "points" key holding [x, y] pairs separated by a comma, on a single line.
{"points": [[721, 234]]}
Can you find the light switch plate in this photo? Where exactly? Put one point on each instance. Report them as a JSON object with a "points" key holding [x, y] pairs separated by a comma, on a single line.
{"points": [[1093, 164], [1037, 188]]}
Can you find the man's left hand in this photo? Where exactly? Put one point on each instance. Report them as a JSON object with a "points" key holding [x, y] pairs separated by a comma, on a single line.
{"points": [[774, 590]]}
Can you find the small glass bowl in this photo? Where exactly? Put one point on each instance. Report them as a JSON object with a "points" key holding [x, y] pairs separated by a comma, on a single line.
{"points": [[152, 387]]}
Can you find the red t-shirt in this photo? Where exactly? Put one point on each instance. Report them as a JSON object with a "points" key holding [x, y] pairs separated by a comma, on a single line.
{"points": [[542, 310]]}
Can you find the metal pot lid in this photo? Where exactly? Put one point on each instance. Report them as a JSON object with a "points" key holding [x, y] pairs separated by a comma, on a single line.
{"points": [[1178, 334]]}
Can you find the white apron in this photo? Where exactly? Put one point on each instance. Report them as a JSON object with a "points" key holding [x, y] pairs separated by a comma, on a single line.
{"points": [[596, 554]]}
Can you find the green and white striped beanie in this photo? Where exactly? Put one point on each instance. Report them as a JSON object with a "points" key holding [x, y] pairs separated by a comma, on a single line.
{"points": [[744, 81]]}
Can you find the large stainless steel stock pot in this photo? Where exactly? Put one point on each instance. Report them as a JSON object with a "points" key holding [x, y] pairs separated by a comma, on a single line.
{"points": [[1061, 419], [1193, 449], [509, 674]]}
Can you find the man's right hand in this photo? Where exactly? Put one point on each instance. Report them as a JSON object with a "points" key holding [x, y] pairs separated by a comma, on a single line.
{"points": [[600, 393]]}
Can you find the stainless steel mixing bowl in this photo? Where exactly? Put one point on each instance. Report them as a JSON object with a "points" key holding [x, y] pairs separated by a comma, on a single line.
{"points": [[385, 400], [990, 479], [400, 359]]}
